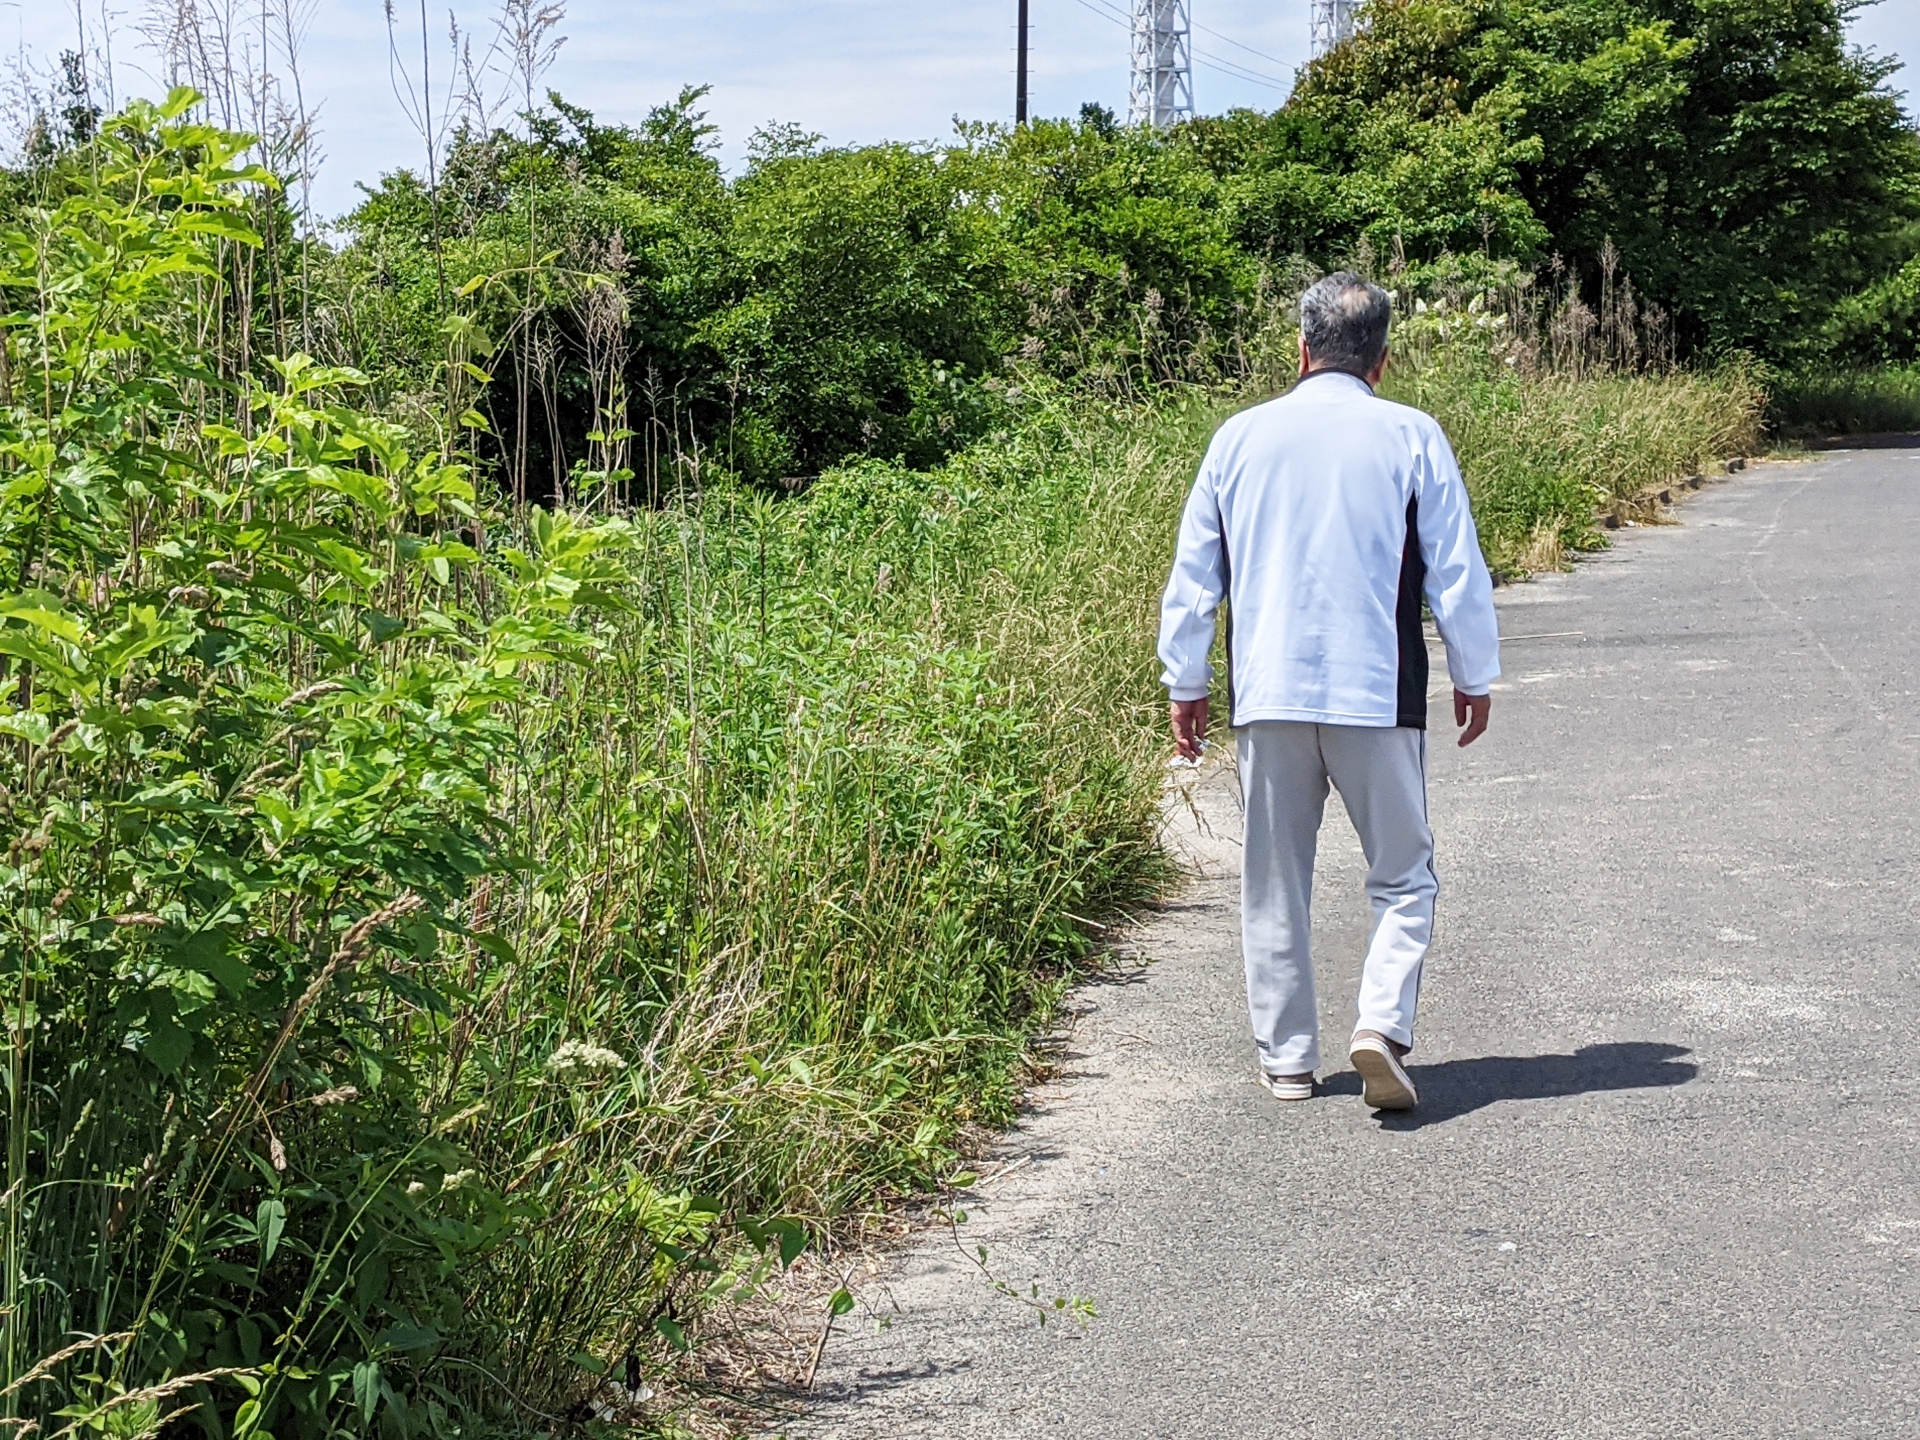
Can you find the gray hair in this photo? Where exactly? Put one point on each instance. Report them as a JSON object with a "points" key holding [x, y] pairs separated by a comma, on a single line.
{"points": [[1343, 319]]}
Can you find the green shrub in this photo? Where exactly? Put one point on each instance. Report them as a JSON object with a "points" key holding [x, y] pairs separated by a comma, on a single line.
{"points": [[1754, 177], [258, 682], [1815, 404], [1542, 455], [441, 952]]}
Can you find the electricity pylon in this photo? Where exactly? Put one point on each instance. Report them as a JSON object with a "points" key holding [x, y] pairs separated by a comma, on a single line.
{"points": [[1332, 23], [1162, 91]]}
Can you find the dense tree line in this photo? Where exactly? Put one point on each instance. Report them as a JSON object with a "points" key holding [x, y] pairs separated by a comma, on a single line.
{"points": [[1757, 177], [1752, 170], [629, 300]]}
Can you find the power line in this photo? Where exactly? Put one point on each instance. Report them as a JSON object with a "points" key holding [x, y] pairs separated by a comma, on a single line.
{"points": [[1231, 68], [1106, 12], [1239, 44], [1227, 67]]}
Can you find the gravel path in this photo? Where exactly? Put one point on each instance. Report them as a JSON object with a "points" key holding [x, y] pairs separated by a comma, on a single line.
{"points": [[1664, 1182]]}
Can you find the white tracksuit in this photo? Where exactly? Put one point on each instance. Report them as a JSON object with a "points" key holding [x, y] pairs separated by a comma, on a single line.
{"points": [[1323, 518]]}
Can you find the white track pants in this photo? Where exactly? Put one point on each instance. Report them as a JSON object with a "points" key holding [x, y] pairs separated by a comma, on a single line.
{"points": [[1381, 774]]}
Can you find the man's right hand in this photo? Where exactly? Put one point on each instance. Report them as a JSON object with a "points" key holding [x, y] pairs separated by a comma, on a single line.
{"points": [[1471, 711], [1189, 726]]}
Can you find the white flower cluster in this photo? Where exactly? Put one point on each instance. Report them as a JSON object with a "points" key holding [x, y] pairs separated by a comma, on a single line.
{"points": [[580, 1060], [450, 1182]]}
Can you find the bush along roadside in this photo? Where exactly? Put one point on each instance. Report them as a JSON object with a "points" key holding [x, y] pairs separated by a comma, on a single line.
{"points": [[1550, 431], [261, 674], [1814, 405], [445, 956]]}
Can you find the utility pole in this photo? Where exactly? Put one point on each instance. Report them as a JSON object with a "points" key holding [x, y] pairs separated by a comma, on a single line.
{"points": [[1020, 81], [1162, 90]]}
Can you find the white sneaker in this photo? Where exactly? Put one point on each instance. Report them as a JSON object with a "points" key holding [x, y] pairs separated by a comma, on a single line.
{"points": [[1387, 1086], [1288, 1087]]}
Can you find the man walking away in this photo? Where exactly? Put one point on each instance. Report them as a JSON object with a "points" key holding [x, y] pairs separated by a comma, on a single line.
{"points": [[1322, 517]]}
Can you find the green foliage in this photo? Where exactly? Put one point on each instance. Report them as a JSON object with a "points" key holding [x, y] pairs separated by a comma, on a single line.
{"points": [[1126, 247], [258, 679], [1753, 176], [1881, 324], [436, 945], [864, 319], [1750, 168], [1828, 400]]}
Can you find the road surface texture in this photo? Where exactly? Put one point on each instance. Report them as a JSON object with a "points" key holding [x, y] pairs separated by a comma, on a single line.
{"points": [[1663, 1181]]}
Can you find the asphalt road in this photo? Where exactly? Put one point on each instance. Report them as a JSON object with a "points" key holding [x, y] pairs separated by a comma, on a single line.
{"points": [[1664, 1182]]}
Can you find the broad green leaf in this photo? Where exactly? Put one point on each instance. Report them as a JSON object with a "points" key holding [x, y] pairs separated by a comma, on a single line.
{"points": [[277, 814], [210, 952], [358, 486], [793, 1239], [39, 609], [496, 945], [350, 563], [142, 633], [382, 627], [167, 1044], [23, 646], [270, 1220], [366, 1389], [180, 99], [27, 724], [407, 1337], [222, 224]]}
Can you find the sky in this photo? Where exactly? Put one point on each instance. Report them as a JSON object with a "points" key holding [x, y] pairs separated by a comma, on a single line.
{"points": [[851, 70]]}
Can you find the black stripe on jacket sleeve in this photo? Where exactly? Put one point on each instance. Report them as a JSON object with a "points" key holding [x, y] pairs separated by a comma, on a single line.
{"points": [[1413, 637]]}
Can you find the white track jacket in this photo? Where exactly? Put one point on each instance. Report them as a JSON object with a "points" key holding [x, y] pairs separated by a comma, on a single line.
{"points": [[1322, 517]]}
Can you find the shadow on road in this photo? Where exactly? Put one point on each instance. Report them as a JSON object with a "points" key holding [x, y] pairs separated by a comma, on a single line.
{"points": [[1458, 1087], [870, 1381]]}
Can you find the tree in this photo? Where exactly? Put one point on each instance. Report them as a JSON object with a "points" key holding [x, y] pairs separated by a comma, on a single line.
{"points": [[1751, 168]]}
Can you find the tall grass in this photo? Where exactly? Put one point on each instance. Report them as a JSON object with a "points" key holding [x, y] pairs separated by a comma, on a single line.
{"points": [[1815, 404], [1543, 453], [823, 839]]}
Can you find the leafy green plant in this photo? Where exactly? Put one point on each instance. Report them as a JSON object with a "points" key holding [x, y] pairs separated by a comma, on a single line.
{"points": [[258, 676], [429, 953], [1837, 400]]}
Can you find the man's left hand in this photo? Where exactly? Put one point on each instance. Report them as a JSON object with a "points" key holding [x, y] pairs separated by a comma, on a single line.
{"points": [[1471, 711], [1189, 726]]}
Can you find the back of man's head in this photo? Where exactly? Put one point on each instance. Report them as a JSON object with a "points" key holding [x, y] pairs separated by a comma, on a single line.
{"points": [[1344, 319]]}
